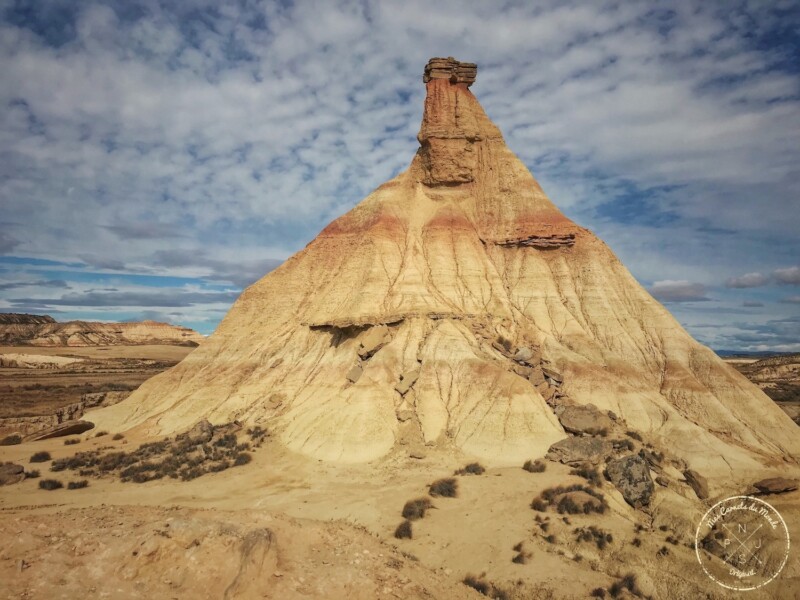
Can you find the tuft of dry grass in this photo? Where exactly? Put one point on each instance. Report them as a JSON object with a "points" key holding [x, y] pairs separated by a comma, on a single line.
{"points": [[403, 531], [415, 509], [40, 457], [471, 469], [446, 488], [536, 466]]}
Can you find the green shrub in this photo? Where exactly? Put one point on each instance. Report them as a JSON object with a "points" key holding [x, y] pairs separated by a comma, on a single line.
{"points": [[447, 488], [403, 530], [415, 509], [50, 484]]}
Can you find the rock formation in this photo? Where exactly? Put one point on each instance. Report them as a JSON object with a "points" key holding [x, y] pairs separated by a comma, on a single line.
{"points": [[456, 307], [43, 330]]}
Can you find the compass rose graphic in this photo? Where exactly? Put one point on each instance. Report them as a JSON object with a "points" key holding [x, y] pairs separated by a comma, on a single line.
{"points": [[742, 543]]}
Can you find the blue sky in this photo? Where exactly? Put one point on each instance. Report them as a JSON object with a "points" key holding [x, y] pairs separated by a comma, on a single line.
{"points": [[157, 156]]}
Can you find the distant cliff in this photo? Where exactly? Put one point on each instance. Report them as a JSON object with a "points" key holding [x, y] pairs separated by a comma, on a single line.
{"points": [[43, 330]]}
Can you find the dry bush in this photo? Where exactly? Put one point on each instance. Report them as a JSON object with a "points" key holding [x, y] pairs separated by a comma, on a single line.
{"points": [[536, 466], [594, 534], [32, 474], [415, 509], [100, 434], [77, 485], [11, 440], [590, 474], [635, 435], [242, 459], [598, 593], [471, 469], [628, 582], [566, 504], [70, 442], [118, 436], [446, 488], [40, 457], [50, 484], [403, 531]]}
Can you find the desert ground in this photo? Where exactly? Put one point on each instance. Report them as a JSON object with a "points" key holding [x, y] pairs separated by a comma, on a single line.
{"points": [[41, 387], [287, 526]]}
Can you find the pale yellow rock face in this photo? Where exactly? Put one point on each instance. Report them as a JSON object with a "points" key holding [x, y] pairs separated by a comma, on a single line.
{"points": [[458, 251]]}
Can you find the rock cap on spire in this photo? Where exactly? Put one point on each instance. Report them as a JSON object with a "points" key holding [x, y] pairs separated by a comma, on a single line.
{"points": [[451, 69]]}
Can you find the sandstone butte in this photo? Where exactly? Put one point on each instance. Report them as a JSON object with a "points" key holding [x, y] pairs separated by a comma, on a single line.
{"points": [[457, 307], [43, 330]]}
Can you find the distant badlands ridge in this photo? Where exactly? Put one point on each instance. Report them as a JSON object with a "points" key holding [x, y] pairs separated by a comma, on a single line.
{"points": [[43, 330]]}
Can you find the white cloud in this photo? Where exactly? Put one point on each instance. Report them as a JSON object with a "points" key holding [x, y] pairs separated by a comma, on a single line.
{"points": [[678, 291], [748, 280], [788, 276]]}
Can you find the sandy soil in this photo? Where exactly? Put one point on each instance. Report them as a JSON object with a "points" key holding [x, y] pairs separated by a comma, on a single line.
{"points": [[473, 533]]}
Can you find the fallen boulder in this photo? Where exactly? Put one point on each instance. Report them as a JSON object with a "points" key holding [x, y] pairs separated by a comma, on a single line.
{"points": [[11, 473], [776, 485], [375, 339], [354, 374], [631, 476], [407, 380], [584, 419], [574, 451], [697, 482]]}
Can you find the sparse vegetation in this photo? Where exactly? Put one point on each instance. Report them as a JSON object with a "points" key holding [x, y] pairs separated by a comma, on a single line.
{"points": [[415, 509], [181, 458], [590, 474], [536, 466], [594, 534], [50, 484], [471, 469], [634, 434], [521, 556], [622, 445], [40, 457], [663, 551], [71, 441], [77, 485], [628, 582], [241, 459], [100, 434], [32, 474], [560, 498], [485, 587], [11, 440], [446, 488], [403, 531], [598, 593], [636, 542], [118, 436]]}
